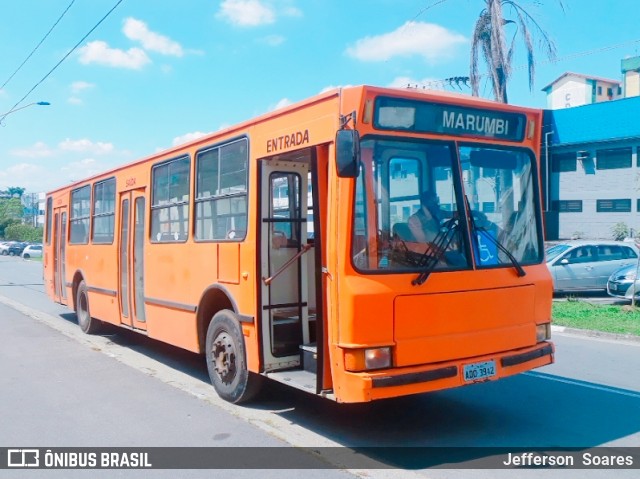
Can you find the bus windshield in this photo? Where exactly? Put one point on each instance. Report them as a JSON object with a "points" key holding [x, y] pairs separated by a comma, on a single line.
{"points": [[444, 206]]}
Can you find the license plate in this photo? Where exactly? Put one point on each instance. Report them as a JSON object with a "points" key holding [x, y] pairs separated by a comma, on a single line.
{"points": [[479, 371]]}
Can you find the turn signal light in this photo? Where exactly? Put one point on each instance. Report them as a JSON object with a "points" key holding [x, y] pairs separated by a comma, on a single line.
{"points": [[367, 359], [543, 332]]}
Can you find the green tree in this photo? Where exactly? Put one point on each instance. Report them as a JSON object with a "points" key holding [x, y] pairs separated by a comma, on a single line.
{"points": [[489, 39], [20, 232], [16, 191], [11, 211]]}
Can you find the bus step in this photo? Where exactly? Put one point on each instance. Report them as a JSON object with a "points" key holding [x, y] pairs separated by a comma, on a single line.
{"points": [[297, 378], [309, 357]]}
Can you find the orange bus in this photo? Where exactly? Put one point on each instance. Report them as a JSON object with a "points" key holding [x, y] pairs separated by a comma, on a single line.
{"points": [[286, 247]]}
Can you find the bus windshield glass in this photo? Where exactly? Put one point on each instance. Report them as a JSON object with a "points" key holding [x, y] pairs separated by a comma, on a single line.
{"points": [[439, 206]]}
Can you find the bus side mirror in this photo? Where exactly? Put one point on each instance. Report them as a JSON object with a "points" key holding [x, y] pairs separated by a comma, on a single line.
{"points": [[347, 153]]}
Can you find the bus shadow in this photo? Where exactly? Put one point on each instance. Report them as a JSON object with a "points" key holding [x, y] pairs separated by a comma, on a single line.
{"points": [[176, 358], [528, 413]]}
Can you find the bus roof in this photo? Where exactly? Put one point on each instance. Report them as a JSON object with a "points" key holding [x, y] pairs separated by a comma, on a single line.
{"points": [[433, 95]]}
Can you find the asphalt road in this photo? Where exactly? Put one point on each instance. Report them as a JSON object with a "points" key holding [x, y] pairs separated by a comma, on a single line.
{"points": [[590, 397]]}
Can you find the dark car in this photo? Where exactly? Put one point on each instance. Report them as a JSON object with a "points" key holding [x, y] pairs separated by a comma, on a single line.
{"points": [[16, 249]]}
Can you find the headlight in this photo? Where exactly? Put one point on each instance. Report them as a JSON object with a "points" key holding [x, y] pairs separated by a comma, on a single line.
{"points": [[543, 332]]}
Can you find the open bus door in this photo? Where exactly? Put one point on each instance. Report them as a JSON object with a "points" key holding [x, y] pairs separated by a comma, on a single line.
{"points": [[131, 259], [288, 272], [59, 255]]}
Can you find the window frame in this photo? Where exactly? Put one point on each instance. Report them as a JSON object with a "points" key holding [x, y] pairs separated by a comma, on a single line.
{"points": [[628, 162], [153, 206], [111, 214], [49, 221], [214, 198], [615, 205], [76, 219]]}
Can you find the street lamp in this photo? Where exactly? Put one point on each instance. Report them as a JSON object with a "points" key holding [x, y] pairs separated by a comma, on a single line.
{"points": [[4, 115]]}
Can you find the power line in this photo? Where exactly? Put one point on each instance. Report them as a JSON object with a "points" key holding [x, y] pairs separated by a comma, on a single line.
{"points": [[457, 80], [428, 7], [38, 45], [66, 56]]}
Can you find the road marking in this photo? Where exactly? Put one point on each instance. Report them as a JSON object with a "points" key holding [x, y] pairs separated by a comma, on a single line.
{"points": [[584, 384]]}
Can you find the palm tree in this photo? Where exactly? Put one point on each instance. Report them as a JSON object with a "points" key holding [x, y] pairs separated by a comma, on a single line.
{"points": [[489, 37]]}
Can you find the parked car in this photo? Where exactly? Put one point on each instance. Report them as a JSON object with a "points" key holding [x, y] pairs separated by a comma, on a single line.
{"points": [[32, 251], [16, 249], [4, 247], [587, 265], [621, 282]]}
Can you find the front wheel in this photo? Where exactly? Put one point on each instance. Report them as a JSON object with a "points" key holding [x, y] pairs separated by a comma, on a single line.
{"points": [[227, 360], [26, 256]]}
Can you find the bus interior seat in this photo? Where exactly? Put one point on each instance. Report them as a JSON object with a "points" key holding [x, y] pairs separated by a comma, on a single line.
{"points": [[403, 232]]}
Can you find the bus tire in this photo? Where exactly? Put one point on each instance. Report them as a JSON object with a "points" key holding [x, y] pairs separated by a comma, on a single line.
{"points": [[227, 359], [87, 324]]}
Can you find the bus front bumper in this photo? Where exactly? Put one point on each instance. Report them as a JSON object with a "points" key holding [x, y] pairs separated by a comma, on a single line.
{"points": [[389, 383]]}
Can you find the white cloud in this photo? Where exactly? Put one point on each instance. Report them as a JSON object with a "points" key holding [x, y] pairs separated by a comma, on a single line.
{"points": [[78, 170], [333, 87], [178, 140], [151, 41], [428, 83], [86, 146], [99, 52], [74, 100], [428, 40], [78, 86], [273, 40], [282, 103], [38, 150], [246, 13]]}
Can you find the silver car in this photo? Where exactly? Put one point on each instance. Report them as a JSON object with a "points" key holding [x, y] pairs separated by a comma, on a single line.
{"points": [[587, 265], [621, 282]]}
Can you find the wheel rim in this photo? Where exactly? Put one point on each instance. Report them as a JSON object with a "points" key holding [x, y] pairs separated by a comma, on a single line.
{"points": [[224, 357]]}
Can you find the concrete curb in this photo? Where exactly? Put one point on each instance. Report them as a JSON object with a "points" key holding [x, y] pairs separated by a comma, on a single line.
{"points": [[595, 334]]}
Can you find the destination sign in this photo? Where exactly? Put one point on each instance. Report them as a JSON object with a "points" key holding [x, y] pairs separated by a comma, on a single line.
{"points": [[425, 117]]}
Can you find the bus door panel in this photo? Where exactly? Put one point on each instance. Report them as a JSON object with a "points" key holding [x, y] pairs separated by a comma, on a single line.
{"points": [[284, 265], [131, 259], [59, 255]]}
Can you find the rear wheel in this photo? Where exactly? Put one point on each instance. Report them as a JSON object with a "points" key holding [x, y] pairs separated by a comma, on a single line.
{"points": [[227, 360], [87, 324]]}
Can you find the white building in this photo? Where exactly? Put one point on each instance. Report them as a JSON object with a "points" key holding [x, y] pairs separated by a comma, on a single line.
{"points": [[575, 89]]}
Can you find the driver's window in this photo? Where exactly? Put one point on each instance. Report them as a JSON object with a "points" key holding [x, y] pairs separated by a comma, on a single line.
{"points": [[583, 254], [404, 189]]}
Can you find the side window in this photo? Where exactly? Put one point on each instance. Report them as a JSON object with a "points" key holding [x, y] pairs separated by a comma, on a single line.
{"points": [[221, 192], [609, 252], [583, 254], [628, 252], [80, 215], [104, 206], [49, 219], [170, 201]]}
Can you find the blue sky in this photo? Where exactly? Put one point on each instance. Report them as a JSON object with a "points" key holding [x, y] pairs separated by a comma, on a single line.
{"points": [[157, 72]]}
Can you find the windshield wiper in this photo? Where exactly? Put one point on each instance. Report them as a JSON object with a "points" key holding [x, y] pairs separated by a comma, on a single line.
{"points": [[435, 251], [519, 269]]}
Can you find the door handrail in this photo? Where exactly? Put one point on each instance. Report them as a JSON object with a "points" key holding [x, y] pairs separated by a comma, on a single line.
{"points": [[304, 249]]}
